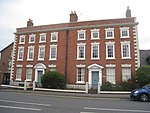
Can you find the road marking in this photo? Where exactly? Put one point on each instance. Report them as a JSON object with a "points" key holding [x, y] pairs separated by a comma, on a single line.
{"points": [[20, 102], [122, 110], [23, 108]]}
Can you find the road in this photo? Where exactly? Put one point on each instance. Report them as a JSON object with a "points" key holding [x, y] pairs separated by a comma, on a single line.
{"points": [[14, 102]]}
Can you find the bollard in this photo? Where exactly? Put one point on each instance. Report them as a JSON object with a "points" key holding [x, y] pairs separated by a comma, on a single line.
{"points": [[34, 84], [99, 88], [25, 85], [86, 88]]}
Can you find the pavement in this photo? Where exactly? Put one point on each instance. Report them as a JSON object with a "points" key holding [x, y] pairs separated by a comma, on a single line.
{"points": [[104, 95]]}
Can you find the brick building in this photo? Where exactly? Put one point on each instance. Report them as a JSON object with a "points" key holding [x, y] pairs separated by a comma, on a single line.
{"points": [[87, 51], [5, 64]]}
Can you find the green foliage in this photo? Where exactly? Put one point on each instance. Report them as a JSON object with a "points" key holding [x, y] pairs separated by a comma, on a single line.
{"points": [[53, 79], [143, 75], [123, 86]]}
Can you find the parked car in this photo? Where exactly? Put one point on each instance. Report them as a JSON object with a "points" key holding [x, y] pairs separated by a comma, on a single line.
{"points": [[142, 94]]}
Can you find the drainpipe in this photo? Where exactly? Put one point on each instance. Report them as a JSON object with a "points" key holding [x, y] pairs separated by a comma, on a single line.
{"points": [[66, 58]]}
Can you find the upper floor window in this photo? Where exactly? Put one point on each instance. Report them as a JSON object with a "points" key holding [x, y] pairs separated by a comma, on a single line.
{"points": [[22, 39], [110, 50], [81, 35], [95, 51], [41, 53], [30, 53], [32, 38], [53, 52], [42, 37], [81, 51], [109, 33], [94, 34], [125, 50], [54, 37], [20, 53], [124, 32]]}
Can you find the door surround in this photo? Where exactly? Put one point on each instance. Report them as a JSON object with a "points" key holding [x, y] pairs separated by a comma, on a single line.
{"points": [[91, 68], [39, 67]]}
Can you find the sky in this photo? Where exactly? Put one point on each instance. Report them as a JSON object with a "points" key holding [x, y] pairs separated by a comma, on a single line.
{"points": [[15, 14]]}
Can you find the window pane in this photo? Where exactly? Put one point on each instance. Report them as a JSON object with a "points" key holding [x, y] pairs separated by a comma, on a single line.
{"points": [[125, 50], [95, 51], [41, 52], [109, 34], [18, 73], [81, 35], [80, 74], [29, 74], [81, 52], [20, 52], [53, 52], [126, 73], [95, 35], [110, 74], [110, 50]]}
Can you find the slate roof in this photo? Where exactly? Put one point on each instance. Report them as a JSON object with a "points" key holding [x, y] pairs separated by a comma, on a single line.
{"points": [[144, 54]]}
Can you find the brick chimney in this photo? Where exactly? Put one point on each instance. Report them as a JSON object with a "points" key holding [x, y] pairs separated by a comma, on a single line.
{"points": [[128, 12], [29, 23], [73, 16]]}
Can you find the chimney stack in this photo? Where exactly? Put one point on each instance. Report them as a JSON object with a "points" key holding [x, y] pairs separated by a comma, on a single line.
{"points": [[73, 16], [29, 23]]}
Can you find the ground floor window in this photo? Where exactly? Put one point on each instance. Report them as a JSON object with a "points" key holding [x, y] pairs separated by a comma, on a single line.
{"points": [[18, 73], [110, 74], [126, 73], [29, 74], [80, 74]]}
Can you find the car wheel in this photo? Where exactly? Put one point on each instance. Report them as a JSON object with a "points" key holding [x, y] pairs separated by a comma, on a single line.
{"points": [[144, 97]]}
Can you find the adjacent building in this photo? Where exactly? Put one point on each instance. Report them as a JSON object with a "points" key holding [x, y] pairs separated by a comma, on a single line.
{"points": [[5, 64], [84, 51]]}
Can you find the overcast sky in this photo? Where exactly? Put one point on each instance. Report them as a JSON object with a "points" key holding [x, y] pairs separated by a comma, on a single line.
{"points": [[15, 13]]}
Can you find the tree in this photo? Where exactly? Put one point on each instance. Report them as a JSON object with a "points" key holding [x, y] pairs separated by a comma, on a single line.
{"points": [[143, 75], [53, 79]]}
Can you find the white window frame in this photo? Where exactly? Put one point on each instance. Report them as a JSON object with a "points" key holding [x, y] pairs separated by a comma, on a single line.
{"points": [[126, 76], [56, 35], [92, 34], [113, 75], [109, 30], [20, 52], [18, 74], [42, 35], [50, 56], [78, 47], [28, 58], [32, 36], [39, 52], [124, 29], [29, 75], [93, 45], [110, 44], [22, 37], [129, 49], [82, 74], [82, 32]]}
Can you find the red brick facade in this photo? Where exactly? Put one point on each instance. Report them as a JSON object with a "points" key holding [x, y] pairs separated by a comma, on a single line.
{"points": [[67, 47]]}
